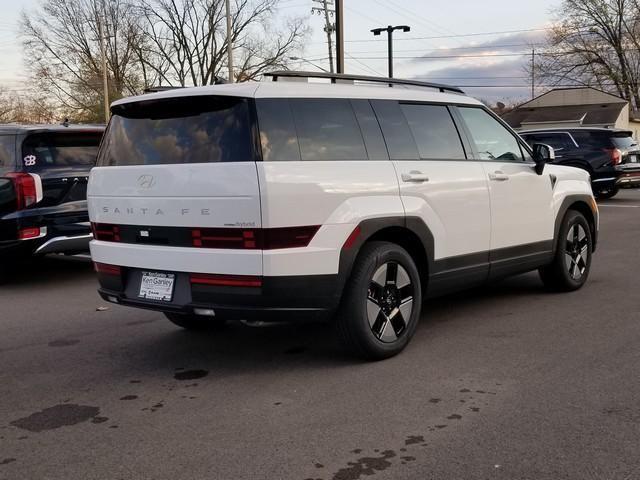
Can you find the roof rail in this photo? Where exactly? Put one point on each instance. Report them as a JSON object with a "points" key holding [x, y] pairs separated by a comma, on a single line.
{"points": [[334, 77]]}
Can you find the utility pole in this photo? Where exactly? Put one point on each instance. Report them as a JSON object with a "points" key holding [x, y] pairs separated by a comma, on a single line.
{"points": [[103, 54], [329, 27], [340, 36], [390, 29], [229, 44], [533, 73]]}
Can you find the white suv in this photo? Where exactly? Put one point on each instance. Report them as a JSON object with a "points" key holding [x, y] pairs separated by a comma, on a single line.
{"points": [[353, 201]]}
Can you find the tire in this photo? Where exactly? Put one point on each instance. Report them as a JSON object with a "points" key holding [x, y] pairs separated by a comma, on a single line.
{"points": [[606, 194], [572, 262], [195, 322], [381, 304]]}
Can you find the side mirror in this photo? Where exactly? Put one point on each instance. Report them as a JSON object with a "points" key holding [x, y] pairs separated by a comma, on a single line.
{"points": [[542, 154]]}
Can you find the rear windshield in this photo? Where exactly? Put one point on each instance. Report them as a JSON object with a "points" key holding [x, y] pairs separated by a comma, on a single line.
{"points": [[624, 142], [51, 150], [598, 140], [7, 150], [179, 130]]}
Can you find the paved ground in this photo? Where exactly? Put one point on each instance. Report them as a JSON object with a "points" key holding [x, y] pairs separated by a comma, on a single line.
{"points": [[505, 382]]}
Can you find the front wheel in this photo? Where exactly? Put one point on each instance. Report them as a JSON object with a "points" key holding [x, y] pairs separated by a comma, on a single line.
{"points": [[381, 306], [572, 262], [194, 322]]}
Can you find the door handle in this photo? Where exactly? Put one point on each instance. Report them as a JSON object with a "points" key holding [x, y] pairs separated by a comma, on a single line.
{"points": [[415, 176], [498, 176]]}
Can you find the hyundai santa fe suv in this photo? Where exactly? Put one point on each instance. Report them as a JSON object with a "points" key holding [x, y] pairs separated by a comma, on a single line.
{"points": [[44, 170], [354, 202]]}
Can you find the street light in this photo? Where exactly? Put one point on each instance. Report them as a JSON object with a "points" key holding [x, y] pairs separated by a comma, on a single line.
{"points": [[298, 59], [390, 29]]}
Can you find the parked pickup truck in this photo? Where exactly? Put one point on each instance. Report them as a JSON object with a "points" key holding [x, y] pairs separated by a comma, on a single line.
{"points": [[43, 187]]}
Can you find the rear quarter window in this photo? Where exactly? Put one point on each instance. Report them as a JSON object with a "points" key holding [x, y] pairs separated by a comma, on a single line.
{"points": [[7, 151], [53, 150]]}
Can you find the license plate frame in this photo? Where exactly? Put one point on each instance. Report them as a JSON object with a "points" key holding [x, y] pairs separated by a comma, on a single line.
{"points": [[157, 286]]}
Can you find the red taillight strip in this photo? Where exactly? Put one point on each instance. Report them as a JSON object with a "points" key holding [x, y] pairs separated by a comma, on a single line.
{"points": [[106, 232], [255, 238], [107, 269], [225, 280]]}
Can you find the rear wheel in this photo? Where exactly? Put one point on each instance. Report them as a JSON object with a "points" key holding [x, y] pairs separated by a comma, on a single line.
{"points": [[195, 322], [606, 193], [572, 262], [382, 302]]}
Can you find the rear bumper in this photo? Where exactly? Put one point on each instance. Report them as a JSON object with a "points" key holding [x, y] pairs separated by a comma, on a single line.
{"points": [[65, 244], [629, 180], [279, 298]]}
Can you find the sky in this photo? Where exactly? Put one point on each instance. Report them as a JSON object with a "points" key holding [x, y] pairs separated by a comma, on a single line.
{"points": [[486, 66]]}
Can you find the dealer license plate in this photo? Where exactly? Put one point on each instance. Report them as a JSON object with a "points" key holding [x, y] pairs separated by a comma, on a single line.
{"points": [[157, 286]]}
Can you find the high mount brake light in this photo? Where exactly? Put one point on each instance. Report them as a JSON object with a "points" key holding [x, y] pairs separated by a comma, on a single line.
{"points": [[26, 188]]}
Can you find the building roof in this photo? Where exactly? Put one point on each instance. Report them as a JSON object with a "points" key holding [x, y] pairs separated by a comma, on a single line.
{"points": [[302, 89], [596, 114]]}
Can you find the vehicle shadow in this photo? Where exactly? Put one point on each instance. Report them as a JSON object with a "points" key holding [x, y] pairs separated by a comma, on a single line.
{"points": [[240, 347], [40, 271]]}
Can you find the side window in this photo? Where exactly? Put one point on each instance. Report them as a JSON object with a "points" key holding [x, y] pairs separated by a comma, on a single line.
{"points": [[7, 150], [559, 141], [327, 130], [434, 131], [493, 141], [277, 131], [373, 140], [395, 129]]}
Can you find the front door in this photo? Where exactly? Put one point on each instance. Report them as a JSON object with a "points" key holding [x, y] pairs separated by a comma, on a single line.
{"points": [[522, 214]]}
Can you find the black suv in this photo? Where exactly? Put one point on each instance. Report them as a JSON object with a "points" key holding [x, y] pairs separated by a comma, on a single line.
{"points": [[612, 157], [43, 188]]}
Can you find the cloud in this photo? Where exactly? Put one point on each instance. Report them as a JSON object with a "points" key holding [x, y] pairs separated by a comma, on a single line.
{"points": [[487, 75]]}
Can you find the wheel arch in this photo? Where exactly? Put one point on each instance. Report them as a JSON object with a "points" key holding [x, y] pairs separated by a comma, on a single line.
{"points": [[411, 233], [581, 204]]}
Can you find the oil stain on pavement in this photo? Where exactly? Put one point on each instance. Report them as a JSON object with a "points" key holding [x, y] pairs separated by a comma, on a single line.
{"points": [[191, 374], [56, 417]]}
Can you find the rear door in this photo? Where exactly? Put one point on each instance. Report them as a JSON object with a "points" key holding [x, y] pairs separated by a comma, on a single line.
{"points": [[181, 165], [439, 185], [522, 214]]}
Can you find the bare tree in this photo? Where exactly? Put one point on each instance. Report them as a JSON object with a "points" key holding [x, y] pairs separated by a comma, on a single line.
{"points": [[595, 43], [62, 50], [25, 108], [187, 41]]}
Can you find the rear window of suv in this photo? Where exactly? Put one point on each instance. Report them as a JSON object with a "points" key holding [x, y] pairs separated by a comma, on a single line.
{"points": [[51, 150], [604, 139], [179, 130]]}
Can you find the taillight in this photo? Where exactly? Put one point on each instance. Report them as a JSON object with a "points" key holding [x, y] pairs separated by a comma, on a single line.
{"points": [[28, 233], [253, 239], [106, 232], [616, 155], [225, 280], [107, 269], [28, 189]]}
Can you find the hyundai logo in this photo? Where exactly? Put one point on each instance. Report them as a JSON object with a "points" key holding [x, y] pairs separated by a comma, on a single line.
{"points": [[146, 181]]}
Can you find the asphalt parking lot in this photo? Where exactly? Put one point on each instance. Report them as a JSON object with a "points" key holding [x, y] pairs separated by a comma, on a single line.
{"points": [[503, 382]]}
